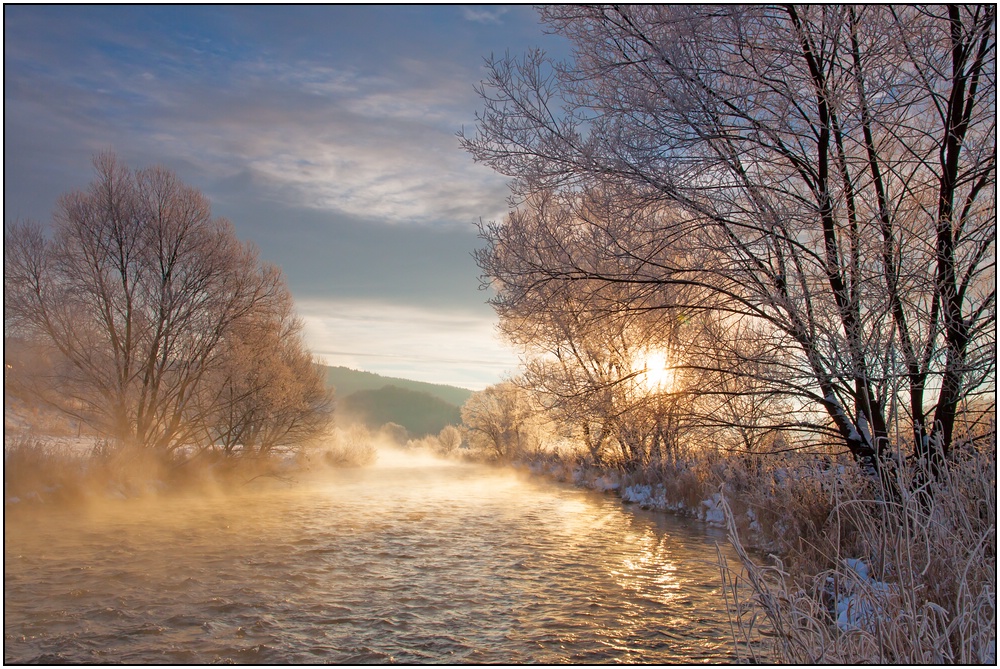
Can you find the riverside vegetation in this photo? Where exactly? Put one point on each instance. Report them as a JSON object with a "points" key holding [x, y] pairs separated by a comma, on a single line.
{"points": [[751, 261], [749, 267]]}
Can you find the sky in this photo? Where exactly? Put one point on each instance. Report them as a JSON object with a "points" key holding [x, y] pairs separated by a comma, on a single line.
{"points": [[327, 134]]}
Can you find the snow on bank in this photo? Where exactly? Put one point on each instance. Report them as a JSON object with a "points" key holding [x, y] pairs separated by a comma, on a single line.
{"points": [[651, 497], [646, 496], [860, 600]]}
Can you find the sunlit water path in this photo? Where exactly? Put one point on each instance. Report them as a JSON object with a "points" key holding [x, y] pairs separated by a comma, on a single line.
{"points": [[410, 561]]}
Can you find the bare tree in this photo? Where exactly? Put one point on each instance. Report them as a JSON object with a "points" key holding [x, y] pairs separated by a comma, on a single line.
{"points": [[591, 368], [267, 394], [736, 405], [136, 293], [498, 419], [832, 170], [449, 439]]}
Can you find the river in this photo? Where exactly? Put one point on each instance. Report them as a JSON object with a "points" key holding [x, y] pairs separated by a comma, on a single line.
{"points": [[413, 560]]}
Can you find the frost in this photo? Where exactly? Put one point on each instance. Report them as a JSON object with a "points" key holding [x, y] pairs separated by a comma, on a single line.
{"points": [[637, 494], [714, 512], [861, 601]]}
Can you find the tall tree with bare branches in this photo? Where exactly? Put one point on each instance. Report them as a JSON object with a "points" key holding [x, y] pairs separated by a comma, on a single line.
{"points": [[137, 299], [831, 169]]}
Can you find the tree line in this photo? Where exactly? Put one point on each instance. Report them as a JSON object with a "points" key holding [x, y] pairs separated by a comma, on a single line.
{"points": [[143, 317]]}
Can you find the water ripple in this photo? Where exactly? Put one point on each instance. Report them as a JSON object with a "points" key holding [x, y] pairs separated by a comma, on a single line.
{"points": [[414, 564]]}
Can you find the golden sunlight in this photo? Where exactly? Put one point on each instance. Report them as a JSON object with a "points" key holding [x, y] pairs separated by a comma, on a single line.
{"points": [[655, 375]]}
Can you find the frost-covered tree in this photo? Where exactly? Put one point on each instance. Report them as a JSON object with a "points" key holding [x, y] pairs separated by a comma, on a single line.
{"points": [[267, 394], [588, 360], [449, 439], [826, 171], [498, 420], [137, 299], [588, 343]]}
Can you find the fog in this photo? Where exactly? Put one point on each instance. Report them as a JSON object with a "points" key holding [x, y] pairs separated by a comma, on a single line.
{"points": [[411, 559]]}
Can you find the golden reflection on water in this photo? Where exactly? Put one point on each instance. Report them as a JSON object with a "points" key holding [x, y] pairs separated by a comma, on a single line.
{"points": [[412, 560], [649, 571]]}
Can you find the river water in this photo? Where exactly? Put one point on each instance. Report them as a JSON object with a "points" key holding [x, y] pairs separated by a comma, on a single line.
{"points": [[413, 560]]}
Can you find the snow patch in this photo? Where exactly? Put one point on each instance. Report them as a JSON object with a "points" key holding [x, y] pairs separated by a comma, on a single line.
{"points": [[714, 512], [858, 567], [650, 497], [861, 600], [638, 494]]}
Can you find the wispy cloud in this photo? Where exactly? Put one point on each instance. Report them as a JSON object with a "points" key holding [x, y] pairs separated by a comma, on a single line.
{"points": [[332, 139], [375, 143], [483, 15], [326, 133]]}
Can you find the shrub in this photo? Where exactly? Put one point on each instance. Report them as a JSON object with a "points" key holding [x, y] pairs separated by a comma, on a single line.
{"points": [[914, 585], [32, 468], [349, 447]]}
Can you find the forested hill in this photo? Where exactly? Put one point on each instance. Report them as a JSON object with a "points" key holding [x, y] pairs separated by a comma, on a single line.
{"points": [[349, 381], [419, 412]]}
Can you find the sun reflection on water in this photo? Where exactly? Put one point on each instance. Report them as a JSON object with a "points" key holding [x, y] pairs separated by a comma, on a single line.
{"points": [[649, 570], [417, 563]]}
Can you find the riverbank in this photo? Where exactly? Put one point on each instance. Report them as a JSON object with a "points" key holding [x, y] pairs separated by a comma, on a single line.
{"points": [[64, 468], [855, 574]]}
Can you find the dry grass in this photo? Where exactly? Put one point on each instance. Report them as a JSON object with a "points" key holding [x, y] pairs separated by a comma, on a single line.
{"points": [[930, 597], [33, 469], [688, 482], [795, 509], [40, 469]]}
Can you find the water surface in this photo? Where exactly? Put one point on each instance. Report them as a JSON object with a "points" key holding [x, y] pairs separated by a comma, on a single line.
{"points": [[412, 561]]}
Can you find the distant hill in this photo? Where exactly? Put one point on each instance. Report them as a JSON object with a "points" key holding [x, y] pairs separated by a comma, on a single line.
{"points": [[349, 381], [419, 412]]}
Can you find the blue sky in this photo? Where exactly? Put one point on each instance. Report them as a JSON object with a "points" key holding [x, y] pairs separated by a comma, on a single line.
{"points": [[325, 133]]}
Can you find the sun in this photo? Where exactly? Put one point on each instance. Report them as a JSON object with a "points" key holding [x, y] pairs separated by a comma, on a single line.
{"points": [[655, 374]]}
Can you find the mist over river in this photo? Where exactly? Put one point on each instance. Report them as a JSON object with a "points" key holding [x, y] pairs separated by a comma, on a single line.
{"points": [[413, 560]]}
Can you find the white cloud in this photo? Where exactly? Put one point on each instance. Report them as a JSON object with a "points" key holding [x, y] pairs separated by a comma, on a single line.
{"points": [[482, 15], [452, 347], [332, 139]]}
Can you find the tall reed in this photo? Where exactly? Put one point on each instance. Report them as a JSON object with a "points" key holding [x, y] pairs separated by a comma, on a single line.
{"points": [[915, 582]]}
